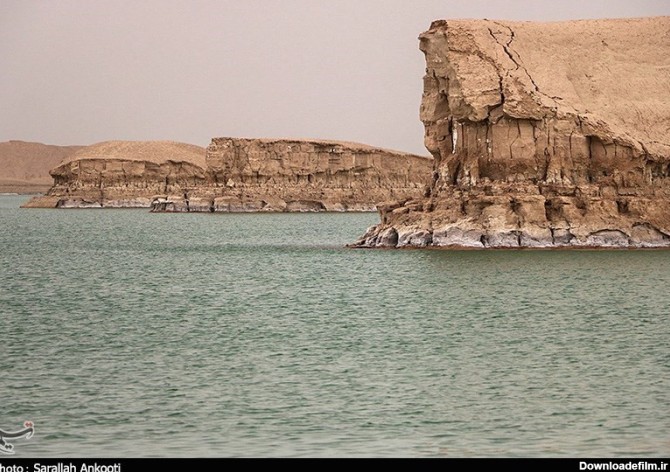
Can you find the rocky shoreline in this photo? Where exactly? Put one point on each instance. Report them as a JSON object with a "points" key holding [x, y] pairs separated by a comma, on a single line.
{"points": [[227, 205], [236, 175], [536, 144]]}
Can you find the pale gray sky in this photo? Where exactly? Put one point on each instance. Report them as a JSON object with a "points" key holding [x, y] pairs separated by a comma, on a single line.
{"points": [[83, 71]]}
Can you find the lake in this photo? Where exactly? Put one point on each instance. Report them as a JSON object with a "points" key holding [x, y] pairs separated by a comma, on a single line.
{"points": [[132, 334]]}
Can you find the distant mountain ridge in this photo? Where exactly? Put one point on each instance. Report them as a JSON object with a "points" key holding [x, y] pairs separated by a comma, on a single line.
{"points": [[25, 166]]}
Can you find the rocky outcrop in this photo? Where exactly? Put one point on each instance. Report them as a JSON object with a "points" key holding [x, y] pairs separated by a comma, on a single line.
{"points": [[306, 175], [123, 174], [544, 135], [236, 175], [24, 166]]}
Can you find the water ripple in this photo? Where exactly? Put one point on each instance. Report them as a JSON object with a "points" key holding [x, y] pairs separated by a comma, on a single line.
{"points": [[259, 335]]}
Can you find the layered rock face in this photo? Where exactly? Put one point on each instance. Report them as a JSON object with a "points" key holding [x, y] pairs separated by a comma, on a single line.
{"points": [[24, 166], [308, 175], [236, 175], [123, 174], [544, 135]]}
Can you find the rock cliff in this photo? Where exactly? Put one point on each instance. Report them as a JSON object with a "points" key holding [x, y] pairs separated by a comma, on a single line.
{"points": [[544, 135], [236, 174], [123, 174], [24, 166], [309, 175]]}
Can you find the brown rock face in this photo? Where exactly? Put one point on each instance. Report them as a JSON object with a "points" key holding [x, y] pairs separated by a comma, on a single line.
{"points": [[236, 175], [553, 134], [123, 174], [24, 167], [306, 175]]}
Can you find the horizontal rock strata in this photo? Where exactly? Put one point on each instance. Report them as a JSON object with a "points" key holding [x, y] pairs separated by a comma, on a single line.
{"points": [[307, 175], [123, 174], [544, 135], [237, 175]]}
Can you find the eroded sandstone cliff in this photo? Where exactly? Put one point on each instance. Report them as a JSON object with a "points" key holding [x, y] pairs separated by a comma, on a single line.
{"points": [[236, 174], [544, 134], [123, 174], [309, 175]]}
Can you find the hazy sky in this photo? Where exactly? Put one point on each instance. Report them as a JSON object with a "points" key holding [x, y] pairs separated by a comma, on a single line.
{"points": [[79, 72]]}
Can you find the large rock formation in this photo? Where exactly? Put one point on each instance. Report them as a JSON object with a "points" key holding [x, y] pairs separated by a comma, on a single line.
{"points": [[236, 175], [544, 134], [309, 175], [24, 166], [123, 174]]}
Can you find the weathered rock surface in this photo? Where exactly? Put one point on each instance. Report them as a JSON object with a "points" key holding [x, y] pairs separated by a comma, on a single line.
{"points": [[24, 166], [308, 175], [544, 135], [123, 174], [236, 175]]}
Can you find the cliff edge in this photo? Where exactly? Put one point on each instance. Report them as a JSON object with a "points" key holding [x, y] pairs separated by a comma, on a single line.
{"points": [[544, 135], [123, 174], [236, 175], [309, 175]]}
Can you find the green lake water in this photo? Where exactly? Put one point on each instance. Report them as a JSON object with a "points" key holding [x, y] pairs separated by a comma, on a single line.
{"points": [[132, 334]]}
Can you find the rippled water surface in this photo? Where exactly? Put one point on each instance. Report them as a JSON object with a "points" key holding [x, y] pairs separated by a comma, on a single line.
{"points": [[132, 334]]}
